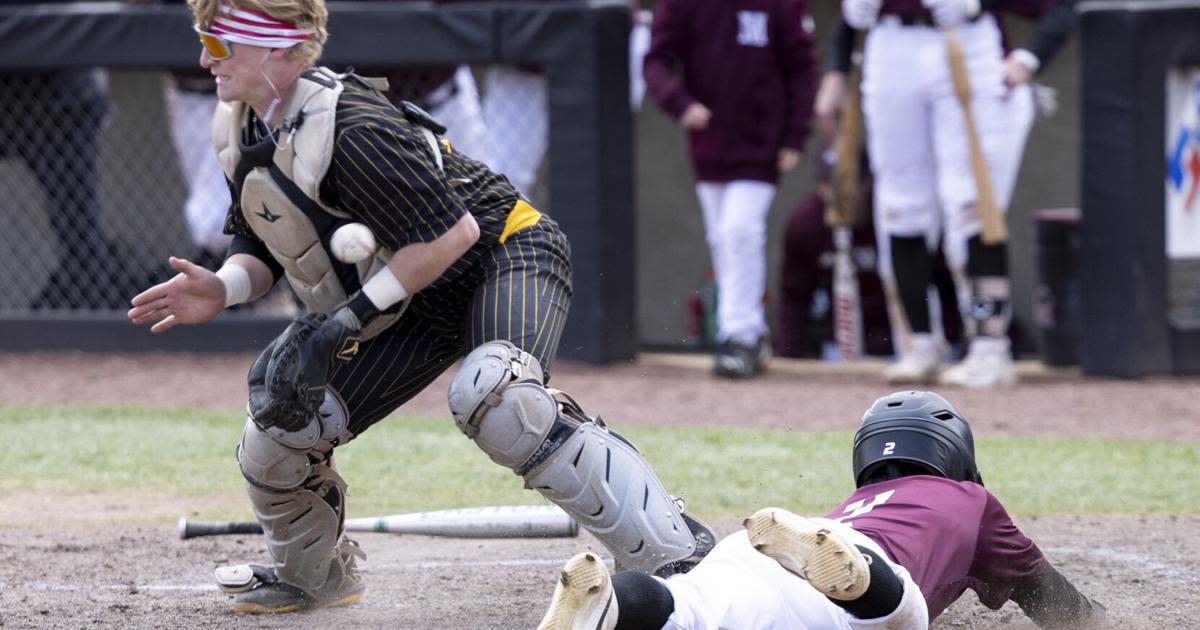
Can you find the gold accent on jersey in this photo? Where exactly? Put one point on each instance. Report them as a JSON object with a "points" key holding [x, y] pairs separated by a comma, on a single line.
{"points": [[349, 351], [521, 216]]}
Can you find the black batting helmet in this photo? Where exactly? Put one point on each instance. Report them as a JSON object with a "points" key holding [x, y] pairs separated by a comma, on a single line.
{"points": [[920, 428]]}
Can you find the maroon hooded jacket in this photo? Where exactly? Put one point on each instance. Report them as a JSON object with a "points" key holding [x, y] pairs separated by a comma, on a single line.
{"points": [[751, 62]]}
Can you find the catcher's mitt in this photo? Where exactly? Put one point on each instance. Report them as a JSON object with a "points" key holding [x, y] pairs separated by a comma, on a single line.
{"points": [[287, 381]]}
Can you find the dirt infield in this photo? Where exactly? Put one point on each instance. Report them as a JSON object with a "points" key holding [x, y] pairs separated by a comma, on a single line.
{"points": [[1146, 570]]}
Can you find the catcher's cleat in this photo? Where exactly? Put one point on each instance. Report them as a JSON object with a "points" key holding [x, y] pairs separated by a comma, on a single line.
{"points": [[812, 551], [704, 544], [258, 589], [583, 598]]}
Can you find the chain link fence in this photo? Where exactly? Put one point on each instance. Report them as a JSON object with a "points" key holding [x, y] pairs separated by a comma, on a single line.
{"points": [[104, 174]]}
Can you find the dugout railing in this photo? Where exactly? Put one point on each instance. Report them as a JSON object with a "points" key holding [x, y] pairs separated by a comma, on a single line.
{"points": [[588, 172]]}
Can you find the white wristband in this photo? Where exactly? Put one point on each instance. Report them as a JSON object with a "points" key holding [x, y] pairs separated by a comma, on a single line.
{"points": [[384, 289], [1025, 58], [237, 284]]}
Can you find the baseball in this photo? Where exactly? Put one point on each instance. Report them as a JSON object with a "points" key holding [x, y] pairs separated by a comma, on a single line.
{"points": [[352, 243]]}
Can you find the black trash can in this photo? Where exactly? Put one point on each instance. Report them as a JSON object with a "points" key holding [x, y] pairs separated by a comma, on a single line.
{"points": [[1057, 300]]}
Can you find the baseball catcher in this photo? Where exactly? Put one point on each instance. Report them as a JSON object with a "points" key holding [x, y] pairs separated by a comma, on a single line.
{"points": [[920, 530], [464, 267]]}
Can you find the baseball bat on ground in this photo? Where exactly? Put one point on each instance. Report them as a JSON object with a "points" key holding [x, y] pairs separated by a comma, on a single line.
{"points": [[496, 521], [994, 230]]}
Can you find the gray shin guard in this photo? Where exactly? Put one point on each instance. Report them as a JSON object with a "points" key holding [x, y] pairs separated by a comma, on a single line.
{"points": [[610, 489], [300, 504], [302, 527], [498, 400]]}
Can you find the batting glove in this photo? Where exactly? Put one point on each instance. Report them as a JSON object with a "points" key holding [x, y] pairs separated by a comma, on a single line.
{"points": [[861, 14], [952, 12]]}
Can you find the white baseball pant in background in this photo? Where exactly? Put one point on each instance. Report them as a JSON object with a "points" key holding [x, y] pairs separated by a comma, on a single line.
{"points": [[514, 108], [735, 226], [460, 111], [918, 143], [207, 202]]}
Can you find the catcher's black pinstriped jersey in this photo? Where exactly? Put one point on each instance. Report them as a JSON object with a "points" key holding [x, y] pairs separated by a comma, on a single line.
{"points": [[513, 284]]}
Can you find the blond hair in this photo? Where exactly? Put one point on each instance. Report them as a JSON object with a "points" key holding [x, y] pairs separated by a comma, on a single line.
{"points": [[310, 14]]}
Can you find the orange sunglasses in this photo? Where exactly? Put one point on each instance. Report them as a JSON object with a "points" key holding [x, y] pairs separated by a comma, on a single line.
{"points": [[217, 47]]}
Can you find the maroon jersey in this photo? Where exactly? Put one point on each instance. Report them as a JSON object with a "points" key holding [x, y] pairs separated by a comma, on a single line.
{"points": [[950, 535], [750, 62]]}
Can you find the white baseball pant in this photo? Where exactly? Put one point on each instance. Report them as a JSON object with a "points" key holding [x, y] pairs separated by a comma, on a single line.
{"points": [[207, 200], [514, 107], [735, 226], [738, 587], [916, 134]]}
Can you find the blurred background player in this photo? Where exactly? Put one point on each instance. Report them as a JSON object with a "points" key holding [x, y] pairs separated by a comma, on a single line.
{"points": [[517, 120], [54, 119], [191, 98], [448, 93], [517, 115], [805, 325], [744, 88], [924, 183], [806, 321], [465, 269], [918, 532]]}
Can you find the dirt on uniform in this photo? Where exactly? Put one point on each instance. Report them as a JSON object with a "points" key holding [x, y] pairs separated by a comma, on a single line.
{"points": [[96, 574]]}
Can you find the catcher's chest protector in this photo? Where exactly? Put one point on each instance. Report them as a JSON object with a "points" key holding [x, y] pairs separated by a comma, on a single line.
{"points": [[297, 165]]}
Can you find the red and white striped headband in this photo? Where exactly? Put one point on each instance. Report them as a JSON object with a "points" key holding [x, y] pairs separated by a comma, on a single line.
{"points": [[246, 26]]}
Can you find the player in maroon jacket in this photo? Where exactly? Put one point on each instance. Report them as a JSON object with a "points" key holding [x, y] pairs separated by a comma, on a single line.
{"points": [[744, 94], [920, 530]]}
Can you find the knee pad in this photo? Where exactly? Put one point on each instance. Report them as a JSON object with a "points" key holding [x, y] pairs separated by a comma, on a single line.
{"points": [[275, 459], [498, 400]]}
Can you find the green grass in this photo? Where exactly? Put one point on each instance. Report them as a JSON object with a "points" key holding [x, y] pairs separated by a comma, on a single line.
{"points": [[411, 463]]}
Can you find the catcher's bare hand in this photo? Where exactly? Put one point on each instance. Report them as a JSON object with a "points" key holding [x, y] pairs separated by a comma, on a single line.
{"points": [[195, 295], [287, 382]]}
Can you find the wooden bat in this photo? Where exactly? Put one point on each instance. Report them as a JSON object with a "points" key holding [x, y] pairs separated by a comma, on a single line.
{"points": [[842, 215], [994, 229], [497, 521]]}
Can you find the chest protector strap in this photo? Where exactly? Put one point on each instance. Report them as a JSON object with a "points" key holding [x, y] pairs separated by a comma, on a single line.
{"points": [[279, 180]]}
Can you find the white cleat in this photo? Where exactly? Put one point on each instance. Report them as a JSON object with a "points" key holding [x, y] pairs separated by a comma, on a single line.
{"points": [[584, 597], [988, 364], [919, 363], [809, 549]]}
